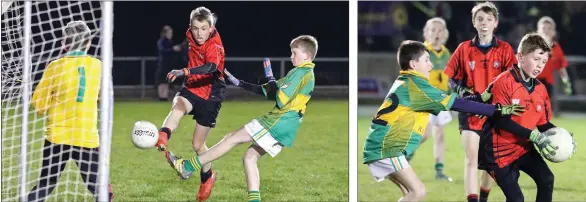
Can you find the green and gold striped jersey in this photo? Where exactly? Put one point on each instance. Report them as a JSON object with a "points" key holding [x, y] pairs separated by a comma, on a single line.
{"points": [[439, 59], [401, 120], [293, 94]]}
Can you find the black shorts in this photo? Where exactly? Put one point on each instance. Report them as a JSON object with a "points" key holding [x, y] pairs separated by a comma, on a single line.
{"points": [[204, 112], [535, 167]]}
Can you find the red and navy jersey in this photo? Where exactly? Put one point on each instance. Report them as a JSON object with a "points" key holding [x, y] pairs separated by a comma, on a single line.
{"points": [[212, 51], [475, 67], [502, 147]]}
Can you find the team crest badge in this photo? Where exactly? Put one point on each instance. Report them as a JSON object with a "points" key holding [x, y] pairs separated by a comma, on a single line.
{"points": [[538, 108], [516, 101], [471, 63], [496, 64]]}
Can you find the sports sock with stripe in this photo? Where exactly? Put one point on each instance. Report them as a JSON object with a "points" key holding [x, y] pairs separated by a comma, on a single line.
{"points": [[193, 164], [253, 196]]}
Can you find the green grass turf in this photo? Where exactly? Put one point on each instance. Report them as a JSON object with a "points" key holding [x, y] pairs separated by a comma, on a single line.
{"points": [[314, 169], [570, 180]]}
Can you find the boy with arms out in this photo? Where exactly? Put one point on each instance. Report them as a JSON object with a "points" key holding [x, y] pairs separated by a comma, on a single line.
{"points": [[203, 90], [436, 34], [471, 68], [68, 92], [400, 122], [504, 153], [272, 131]]}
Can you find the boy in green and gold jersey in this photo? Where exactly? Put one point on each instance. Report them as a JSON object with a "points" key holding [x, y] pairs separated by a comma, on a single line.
{"points": [[273, 130]]}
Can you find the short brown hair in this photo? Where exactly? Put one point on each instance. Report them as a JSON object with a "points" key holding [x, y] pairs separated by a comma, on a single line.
{"points": [[307, 43], [409, 50], [77, 35], [487, 7], [202, 14], [531, 42]]}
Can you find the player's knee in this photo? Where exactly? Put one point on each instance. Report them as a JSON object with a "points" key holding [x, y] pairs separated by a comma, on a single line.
{"points": [[249, 159], [545, 181], [199, 147], [419, 193]]}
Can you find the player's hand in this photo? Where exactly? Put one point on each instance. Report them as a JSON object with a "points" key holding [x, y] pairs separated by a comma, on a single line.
{"points": [[567, 86], [268, 70], [177, 74], [507, 110], [543, 143], [464, 91], [231, 78], [486, 95]]}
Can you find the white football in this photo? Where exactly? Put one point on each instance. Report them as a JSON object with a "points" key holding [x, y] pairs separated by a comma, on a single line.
{"points": [[144, 135], [565, 142]]}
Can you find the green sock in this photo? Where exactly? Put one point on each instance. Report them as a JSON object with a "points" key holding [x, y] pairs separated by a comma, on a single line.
{"points": [[193, 164], [439, 167], [253, 196]]}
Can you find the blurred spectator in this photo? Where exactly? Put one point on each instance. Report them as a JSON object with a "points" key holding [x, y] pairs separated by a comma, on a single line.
{"points": [[547, 28], [167, 60]]}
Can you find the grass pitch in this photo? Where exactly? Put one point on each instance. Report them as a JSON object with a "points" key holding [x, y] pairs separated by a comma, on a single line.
{"points": [[570, 180], [314, 169]]}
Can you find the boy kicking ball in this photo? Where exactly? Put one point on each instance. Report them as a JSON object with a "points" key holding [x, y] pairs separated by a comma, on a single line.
{"points": [[272, 131]]}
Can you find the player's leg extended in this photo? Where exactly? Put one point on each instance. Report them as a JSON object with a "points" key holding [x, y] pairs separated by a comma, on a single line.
{"points": [[87, 160], [181, 106], [403, 189], [55, 158], [249, 160], [408, 178], [538, 170], [470, 141], [185, 167]]}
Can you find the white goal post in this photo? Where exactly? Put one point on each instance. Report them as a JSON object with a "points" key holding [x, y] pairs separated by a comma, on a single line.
{"points": [[32, 37]]}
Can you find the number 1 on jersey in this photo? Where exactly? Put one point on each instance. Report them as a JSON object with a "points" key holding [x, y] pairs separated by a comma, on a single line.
{"points": [[81, 88]]}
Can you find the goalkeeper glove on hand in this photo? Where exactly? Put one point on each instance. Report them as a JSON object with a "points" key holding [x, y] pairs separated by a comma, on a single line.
{"points": [[231, 78], [567, 86], [464, 91], [268, 70], [507, 110], [543, 143], [177, 74]]}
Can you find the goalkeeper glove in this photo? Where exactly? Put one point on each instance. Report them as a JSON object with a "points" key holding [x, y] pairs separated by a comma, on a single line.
{"points": [[231, 78], [507, 110], [177, 74], [543, 143], [464, 91], [567, 86], [268, 69]]}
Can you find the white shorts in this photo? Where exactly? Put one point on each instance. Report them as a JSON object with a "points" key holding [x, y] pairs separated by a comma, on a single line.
{"points": [[443, 118], [381, 169], [263, 138]]}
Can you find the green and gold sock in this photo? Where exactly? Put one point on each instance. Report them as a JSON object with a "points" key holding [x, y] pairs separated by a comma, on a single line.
{"points": [[253, 196], [193, 164], [439, 167]]}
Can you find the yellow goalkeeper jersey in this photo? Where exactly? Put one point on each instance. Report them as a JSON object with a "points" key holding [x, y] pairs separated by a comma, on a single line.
{"points": [[68, 92]]}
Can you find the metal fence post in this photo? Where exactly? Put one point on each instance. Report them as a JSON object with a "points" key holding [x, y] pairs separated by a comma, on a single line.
{"points": [[282, 69], [142, 78]]}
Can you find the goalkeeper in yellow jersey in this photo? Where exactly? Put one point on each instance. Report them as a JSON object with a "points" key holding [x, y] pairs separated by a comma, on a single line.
{"points": [[272, 131], [68, 93], [436, 34]]}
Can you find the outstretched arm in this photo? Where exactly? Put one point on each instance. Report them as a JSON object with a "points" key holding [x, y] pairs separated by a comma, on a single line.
{"points": [[268, 89]]}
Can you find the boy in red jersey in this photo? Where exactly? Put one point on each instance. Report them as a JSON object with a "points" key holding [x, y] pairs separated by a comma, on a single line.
{"points": [[557, 61], [504, 153], [471, 68], [203, 90]]}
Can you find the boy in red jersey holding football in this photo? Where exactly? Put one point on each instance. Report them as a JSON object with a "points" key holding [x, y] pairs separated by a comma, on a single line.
{"points": [[503, 153], [203, 90], [471, 68], [557, 61]]}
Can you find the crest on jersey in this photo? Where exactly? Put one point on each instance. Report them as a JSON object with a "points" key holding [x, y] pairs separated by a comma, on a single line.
{"points": [[496, 64], [516, 101], [471, 63], [538, 108]]}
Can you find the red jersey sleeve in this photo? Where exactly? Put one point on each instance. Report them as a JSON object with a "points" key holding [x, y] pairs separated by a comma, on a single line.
{"points": [[453, 68], [563, 62], [510, 58], [501, 91], [545, 119], [212, 54]]}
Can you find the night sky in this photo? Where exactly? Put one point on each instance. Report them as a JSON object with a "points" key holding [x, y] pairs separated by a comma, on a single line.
{"points": [[248, 29]]}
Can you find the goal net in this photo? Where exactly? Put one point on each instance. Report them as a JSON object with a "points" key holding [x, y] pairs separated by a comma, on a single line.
{"points": [[31, 38]]}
